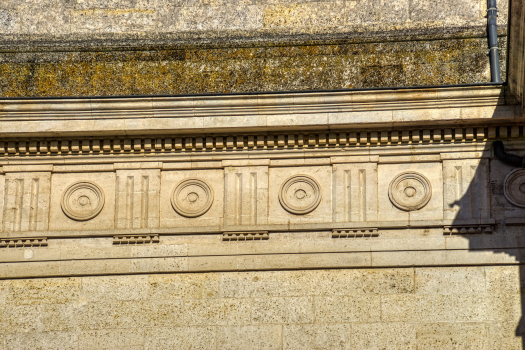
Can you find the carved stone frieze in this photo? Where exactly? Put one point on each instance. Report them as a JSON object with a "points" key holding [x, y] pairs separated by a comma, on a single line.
{"points": [[514, 187], [410, 191], [245, 236], [192, 198], [300, 194], [82, 200]]}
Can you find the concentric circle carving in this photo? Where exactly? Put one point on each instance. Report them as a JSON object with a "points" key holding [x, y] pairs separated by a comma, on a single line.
{"points": [[82, 200], [192, 198], [300, 194], [514, 187], [410, 191]]}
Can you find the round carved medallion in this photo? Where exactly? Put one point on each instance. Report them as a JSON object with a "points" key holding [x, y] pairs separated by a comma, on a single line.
{"points": [[300, 194], [82, 200], [410, 191], [514, 187], [192, 198]]}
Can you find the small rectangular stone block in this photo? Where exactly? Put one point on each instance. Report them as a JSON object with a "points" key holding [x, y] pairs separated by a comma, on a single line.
{"points": [[332, 138], [373, 137], [416, 136], [480, 134], [447, 134], [394, 137], [322, 139], [405, 136], [437, 134], [96, 145], [53, 147], [106, 145], [158, 144], [515, 131], [342, 138], [291, 140], [178, 143], [168, 143], [64, 146], [240, 142], [209, 142], [86, 147], [118, 145], [260, 141], [198, 143], [503, 132], [363, 137], [219, 142], [300, 140], [251, 141], [33, 146], [270, 141], [43, 147], [280, 140], [147, 145], [188, 143], [384, 136], [492, 132], [137, 145], [127, 145]]}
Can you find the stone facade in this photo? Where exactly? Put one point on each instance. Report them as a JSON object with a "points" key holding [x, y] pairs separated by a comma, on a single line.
{"points": [[404, 308], [341, 219]]}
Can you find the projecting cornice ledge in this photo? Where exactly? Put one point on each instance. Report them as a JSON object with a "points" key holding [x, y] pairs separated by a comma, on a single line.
{"points": [[336, 110]]}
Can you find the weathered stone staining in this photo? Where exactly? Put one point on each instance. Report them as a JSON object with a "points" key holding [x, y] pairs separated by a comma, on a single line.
{"points": [[192, 198], [300, 194], [410, 191], [82, 200], [270, 218], [514, 187]]}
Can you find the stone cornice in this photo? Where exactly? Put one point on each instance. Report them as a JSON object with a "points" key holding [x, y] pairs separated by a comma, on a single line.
{"points": [[333, 110]]}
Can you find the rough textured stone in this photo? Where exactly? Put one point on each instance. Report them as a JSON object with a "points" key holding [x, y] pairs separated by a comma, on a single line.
{"points": [[310, 66]]}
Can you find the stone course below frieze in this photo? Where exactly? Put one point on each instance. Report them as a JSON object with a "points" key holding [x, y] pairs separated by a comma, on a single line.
{"points": [[406, 308]]}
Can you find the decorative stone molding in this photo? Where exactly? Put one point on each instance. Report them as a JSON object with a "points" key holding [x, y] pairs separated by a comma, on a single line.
{"points": [[300, 194], [135, 239], [514, 187], [410, 191], [192, 198], [23, 242], [245, 236], [355, 233], [82, 200], [254, 142], [467, 229]]}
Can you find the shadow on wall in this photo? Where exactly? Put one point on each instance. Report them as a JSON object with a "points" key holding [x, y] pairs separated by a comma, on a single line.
{"points": [[485, 199]]}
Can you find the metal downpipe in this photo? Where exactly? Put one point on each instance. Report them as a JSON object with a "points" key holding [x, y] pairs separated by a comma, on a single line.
{"points": [[492, 31]]}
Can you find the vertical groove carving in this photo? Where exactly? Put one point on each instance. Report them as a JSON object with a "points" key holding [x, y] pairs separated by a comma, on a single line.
{"points": [[144, 202], [117, 204], [348, 195], [129, 201], [362, 194], [19, 199], [458, 174], [254, 198], [33, 214], [238, 185], [4, 216]]}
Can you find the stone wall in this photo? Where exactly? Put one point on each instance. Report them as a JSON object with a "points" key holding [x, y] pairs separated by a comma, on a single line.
{"points": [[101, 48], [423, 308]]}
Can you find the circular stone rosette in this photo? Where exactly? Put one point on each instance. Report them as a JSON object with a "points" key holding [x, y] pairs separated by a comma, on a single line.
{"points": [[82, 200], [300, 194], [192, 198], [410, 191], [514, 187]]}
